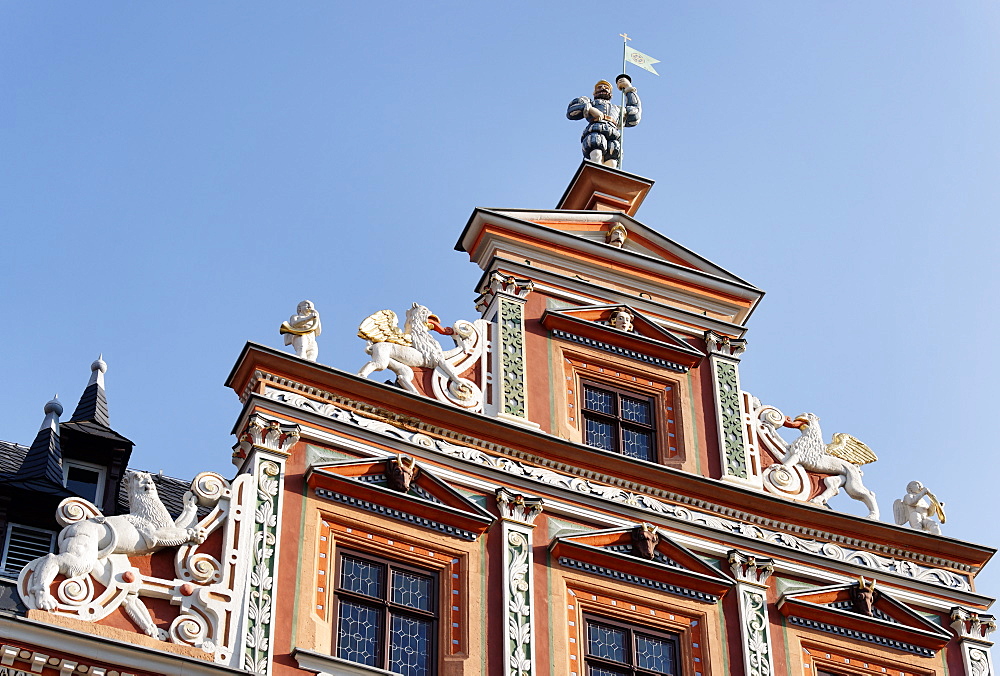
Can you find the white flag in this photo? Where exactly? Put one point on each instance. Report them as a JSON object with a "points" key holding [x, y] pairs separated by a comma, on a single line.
{"points": [[640, 59]]}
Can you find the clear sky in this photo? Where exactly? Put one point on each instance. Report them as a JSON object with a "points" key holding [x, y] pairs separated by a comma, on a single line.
{"points": [[175, 177]]}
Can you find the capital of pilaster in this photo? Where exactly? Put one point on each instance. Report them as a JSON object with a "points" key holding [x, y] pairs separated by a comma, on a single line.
{"points": [[724, 346], [508, 285], [517, 508], [750, 569], [968, 624], [265, 434]]}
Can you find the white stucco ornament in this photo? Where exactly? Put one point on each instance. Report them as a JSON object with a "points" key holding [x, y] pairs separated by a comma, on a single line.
{"points": [[919, 508], [302, 329], [95, 547], [840, 459], [413, 346]]}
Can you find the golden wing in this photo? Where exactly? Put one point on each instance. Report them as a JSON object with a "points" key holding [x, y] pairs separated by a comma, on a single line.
{"points": [[383, 327], [846, 447]]}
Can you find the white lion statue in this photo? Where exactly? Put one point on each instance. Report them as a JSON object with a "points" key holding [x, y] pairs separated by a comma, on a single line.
{"points": [[87, 544]]}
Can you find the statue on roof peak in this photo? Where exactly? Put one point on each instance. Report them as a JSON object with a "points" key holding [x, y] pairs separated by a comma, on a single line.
{"points": [[603, 134]]}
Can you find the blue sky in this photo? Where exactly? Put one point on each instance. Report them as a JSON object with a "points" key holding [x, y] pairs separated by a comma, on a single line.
{"points": [[175, 177]]}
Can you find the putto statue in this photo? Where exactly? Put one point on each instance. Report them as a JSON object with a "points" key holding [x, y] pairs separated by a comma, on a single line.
{"points": [[841, 459], [919, 508], [88, 546], [603, 134], [398, 350], [302, 329]]}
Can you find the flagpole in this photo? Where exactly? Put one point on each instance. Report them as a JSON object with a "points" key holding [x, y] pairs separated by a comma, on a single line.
{"points": [[621, 115]]}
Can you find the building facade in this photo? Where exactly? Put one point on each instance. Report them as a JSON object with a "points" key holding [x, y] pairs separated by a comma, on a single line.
{"points": [[572, 483]]}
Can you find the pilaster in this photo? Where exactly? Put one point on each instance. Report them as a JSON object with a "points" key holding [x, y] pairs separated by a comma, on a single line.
{"points": [[973, 630], [266, 444], [740, 461], [517, 515], [751, 573], [502, 304]]}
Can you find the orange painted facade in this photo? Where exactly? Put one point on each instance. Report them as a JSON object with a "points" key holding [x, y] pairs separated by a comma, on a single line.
{"points": [[606, 511]]}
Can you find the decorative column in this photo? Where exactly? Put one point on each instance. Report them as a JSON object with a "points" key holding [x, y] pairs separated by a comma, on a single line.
{"points": [[972, 630], [740, 462], [517, 515], [502, 304], [751, 573], [266, 444]]}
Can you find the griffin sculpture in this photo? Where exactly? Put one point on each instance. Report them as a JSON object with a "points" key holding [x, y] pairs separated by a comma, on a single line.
{"points": [[840, 459], [396, 350]]}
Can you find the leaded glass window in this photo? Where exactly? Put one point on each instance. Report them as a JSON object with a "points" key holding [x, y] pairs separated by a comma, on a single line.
{"points": [[619, 421], [617, 649], [386, 615]]}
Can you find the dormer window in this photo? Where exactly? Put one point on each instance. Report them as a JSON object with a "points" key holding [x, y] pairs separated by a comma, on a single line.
{"points": [[85, 479], [619, 421]]}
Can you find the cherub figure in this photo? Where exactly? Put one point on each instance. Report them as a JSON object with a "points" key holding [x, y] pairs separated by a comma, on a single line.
{"points": [[919, 508], [302, 329]]}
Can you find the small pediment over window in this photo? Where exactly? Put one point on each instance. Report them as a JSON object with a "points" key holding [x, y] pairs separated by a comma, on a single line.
{"points": [[866, 613], [622, 330], [642, 556], [401, 489]]}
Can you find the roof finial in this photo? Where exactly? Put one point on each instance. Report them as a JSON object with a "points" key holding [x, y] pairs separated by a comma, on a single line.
{"points": [[53, 407]]}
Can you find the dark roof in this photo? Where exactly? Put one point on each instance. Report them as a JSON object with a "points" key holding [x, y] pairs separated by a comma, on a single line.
{"points": [[11, 456], [171, 493], [43, 462], [93, 406], [95, 429]]}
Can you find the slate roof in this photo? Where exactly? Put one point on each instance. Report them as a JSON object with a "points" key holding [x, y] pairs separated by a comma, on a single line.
{"points": [[170, 489], [93, 406], [11, 456]]}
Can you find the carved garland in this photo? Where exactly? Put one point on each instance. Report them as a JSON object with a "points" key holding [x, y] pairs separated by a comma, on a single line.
{"points": [[830, 550], [519, 604], [754, 608], [731, 414], [256, 657], [512, 348]]}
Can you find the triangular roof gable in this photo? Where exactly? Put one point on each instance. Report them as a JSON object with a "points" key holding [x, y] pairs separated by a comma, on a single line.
{"points": [[826, 608], [648, 337], [592, 227], [676, 569], [430, 502]]}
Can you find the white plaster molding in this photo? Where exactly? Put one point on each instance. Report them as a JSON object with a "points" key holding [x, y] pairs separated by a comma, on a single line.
{"points": [[518, 515], [125, 656], [750, 569], [846, 552], [328, 665]]}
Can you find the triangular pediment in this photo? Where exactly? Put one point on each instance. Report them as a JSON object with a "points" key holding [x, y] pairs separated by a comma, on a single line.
{"points": [[647, 341], [891, 623], [421, 499], [666, 565]]}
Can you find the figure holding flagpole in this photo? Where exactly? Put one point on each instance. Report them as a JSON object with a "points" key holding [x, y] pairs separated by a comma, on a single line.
{"points": [[602, 138]]}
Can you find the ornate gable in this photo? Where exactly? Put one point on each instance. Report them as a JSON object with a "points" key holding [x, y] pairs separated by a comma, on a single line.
{"points": [[637, 338], [398, 488], [865, 614], [642, 556]]}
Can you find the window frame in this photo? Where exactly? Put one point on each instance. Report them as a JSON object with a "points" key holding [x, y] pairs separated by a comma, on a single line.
{"points": [[632, 629], [102, 476], [619, 423], [386, 608], [6, 544]]}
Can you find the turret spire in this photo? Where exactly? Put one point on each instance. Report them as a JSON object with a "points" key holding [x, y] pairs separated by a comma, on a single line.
{"points": [[44, 458], [93, 406]]}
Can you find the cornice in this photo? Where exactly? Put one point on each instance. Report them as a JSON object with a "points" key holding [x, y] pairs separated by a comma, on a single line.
{"points": [[795, 537]]}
